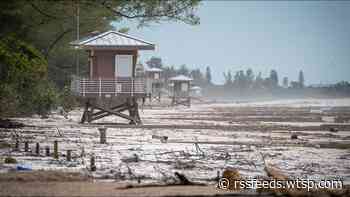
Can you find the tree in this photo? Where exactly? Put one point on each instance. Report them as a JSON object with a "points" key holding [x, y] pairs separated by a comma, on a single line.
{"points": [[273, 78], [197, 77], [228, 78], [24, 88], [155, 62], [285, 82], [258, 81], [208, 75], [249, 78], [301, 79], [183, 70]]}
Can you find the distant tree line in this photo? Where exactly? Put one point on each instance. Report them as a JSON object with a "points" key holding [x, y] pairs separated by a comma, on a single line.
{"points": [[247, 80], [199, 78], [248, 85]]}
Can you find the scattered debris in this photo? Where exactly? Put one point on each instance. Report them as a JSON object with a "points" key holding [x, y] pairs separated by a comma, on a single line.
{"points": [[92, 163], [163, 139], [10, 160], [198, 149], [183, 180], [133, 158], [184, 165], [294, 136], [10, 124], [62, 112], [4, 144], [103, 137], [23, 168], [333, 129]]}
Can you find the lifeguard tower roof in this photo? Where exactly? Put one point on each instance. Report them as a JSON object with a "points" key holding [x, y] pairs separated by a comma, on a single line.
{"points": [[180, 78], [196, 88], [113, 40], [148, 69]]}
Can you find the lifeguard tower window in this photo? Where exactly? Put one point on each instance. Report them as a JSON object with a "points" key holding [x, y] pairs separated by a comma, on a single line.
{"points": [[123, 65], [184, 87]]}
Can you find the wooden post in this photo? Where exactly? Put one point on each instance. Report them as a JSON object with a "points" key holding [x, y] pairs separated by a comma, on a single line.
{"points": [[16, 145], [37, 149], [47, 151], [55, 149], [69, 155], [92, 163], [26, 146], [100, 87], [103, 135]]}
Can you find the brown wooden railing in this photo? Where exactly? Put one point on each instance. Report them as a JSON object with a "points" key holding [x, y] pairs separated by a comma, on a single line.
{"points": [[113, 87]]}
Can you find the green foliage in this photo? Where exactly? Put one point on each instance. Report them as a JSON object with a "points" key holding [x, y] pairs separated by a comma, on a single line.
{"points": [[208, 75], [46, 97], [301, 79], [10, 160], [67, 100], [24, 87]]}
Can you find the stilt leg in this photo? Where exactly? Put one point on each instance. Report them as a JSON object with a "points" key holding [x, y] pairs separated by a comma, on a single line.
{"points": [[85, 114]]}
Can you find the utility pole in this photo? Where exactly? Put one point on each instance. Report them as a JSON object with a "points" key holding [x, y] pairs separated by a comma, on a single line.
{"points": [[77, 31]]}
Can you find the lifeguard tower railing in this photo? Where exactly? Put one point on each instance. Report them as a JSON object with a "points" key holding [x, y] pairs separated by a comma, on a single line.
{"points": [[102, 87]]}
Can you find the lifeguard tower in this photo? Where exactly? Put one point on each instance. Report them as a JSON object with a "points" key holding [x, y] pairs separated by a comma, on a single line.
{"points": [[112, 76], [196, 92], [180, 93], [154, 83]]}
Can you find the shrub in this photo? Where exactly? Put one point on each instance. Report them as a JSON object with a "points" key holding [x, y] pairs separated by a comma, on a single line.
{"points": [[24, 88]]}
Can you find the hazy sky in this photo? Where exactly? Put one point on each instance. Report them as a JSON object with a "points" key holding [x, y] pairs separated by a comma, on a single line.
{"points": [[284, 35]]}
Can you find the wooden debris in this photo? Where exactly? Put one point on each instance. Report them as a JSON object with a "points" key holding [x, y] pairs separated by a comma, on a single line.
{"points": [[92, 163], [16, 145], [37, 148], [333, 129], [133, 158], [26, 146], [294, 136], [163, 139], [233, 176], [182, 178], [55, 149], [47, 151], [103, 137], [69, 155]]}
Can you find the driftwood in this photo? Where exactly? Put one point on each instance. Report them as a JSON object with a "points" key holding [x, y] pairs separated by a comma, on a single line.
{"points": [[275, 173]]}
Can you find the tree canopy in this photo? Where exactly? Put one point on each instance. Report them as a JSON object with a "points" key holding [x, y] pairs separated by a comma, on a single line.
{"points": [[45, 28]]}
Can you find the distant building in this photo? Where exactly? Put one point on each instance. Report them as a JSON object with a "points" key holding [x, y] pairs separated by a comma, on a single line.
{"points": [[196, 91], [154, 82], [180, 90]]}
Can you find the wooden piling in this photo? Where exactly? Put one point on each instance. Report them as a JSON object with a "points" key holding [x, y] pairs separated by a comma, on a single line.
{"points": [[103, 139], [69, 155], [92, 163], [55, 149], [26, 146], [47, 151], [37, 149], [16, 145]]}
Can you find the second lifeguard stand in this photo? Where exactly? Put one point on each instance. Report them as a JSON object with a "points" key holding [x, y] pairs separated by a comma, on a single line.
{"points": [[180, 93], [154, 83]]}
